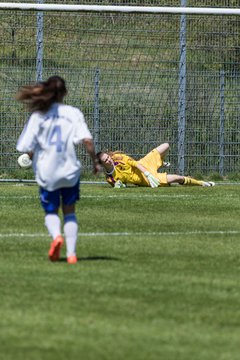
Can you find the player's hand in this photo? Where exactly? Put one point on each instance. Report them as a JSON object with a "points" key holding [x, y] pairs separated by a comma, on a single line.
{"points": [[96, 168], [119, 184], [154, 182]]}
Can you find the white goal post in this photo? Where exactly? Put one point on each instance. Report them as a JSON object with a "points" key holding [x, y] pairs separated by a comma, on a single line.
{"points": [[124, 9], [141, 74]]}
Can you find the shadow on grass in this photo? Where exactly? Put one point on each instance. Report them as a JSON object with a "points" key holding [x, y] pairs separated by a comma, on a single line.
{"points": [[93, 258]]}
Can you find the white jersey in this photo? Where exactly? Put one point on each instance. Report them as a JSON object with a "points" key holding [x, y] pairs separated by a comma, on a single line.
{"points": [[52, 138]]}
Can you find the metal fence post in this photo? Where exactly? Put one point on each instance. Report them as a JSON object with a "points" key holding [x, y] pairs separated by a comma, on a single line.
{"points": [[222, 122], [182, 93], [39, 44], [96, 118]]}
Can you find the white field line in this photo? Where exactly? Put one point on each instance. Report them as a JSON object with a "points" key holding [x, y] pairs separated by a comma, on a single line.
{"points": [[122, 196], [110, 234]]}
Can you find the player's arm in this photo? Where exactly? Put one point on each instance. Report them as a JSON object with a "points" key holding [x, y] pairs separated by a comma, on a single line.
{"points": [[89, 145], [153, 181], [27, 141], [110, 180]]}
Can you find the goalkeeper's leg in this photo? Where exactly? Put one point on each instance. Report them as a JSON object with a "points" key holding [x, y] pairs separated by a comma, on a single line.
{"points": [[163, 150], [186, 180], [190, 181]]}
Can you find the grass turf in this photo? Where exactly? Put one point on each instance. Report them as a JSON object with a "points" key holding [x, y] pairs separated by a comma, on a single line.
{"points": [[157, 277]]}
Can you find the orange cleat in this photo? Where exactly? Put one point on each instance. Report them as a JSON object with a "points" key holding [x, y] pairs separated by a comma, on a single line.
{"points": [[55, 248], [72, 259]]}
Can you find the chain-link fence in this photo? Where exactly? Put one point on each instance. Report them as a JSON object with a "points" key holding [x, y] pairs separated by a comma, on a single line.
{"points": [[140, 79]]}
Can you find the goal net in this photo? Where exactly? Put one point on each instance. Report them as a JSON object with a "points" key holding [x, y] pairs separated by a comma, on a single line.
{"points": [[140, 77]]}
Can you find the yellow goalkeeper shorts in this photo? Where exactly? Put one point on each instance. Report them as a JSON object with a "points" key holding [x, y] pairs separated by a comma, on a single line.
{"points": [[152, 162]]}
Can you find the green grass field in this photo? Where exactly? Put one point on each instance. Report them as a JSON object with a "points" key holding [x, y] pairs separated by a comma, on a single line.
{"points": [[157, 277]]}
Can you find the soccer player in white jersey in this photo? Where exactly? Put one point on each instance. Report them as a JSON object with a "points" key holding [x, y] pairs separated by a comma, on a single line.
{"points": [[50, 136]]}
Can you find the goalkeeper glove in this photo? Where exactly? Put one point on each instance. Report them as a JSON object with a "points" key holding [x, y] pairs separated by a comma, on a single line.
{"points": [[154, 182], [119, 184]]}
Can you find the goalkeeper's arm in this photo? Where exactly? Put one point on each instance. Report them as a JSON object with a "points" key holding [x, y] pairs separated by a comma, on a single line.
{"points": [[153, 181]]}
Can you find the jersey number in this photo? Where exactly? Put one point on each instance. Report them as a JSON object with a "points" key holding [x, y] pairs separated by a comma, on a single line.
{"points": [[56, 138]]}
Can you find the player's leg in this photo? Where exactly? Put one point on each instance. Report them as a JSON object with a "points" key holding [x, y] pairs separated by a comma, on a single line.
{"points": [[186, 180], [70, 228], [154, 160], [163, 150], [50, 201]]}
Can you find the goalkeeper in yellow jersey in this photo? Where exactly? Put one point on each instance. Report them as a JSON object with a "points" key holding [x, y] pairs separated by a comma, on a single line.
{"points": [[121, 170]]}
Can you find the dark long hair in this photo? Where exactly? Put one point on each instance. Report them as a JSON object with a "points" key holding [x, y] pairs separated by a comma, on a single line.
{"points": [[40, 96]]}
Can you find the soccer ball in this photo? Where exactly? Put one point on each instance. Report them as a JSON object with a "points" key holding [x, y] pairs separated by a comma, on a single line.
{"points": [[24, 161]]}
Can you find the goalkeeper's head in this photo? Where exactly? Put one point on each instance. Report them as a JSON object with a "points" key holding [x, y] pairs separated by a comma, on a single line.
{"points": [[106, 161]]}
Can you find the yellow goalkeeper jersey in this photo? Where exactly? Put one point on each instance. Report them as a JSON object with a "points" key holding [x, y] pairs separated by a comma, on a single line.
{"points": [[125, 169]]}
